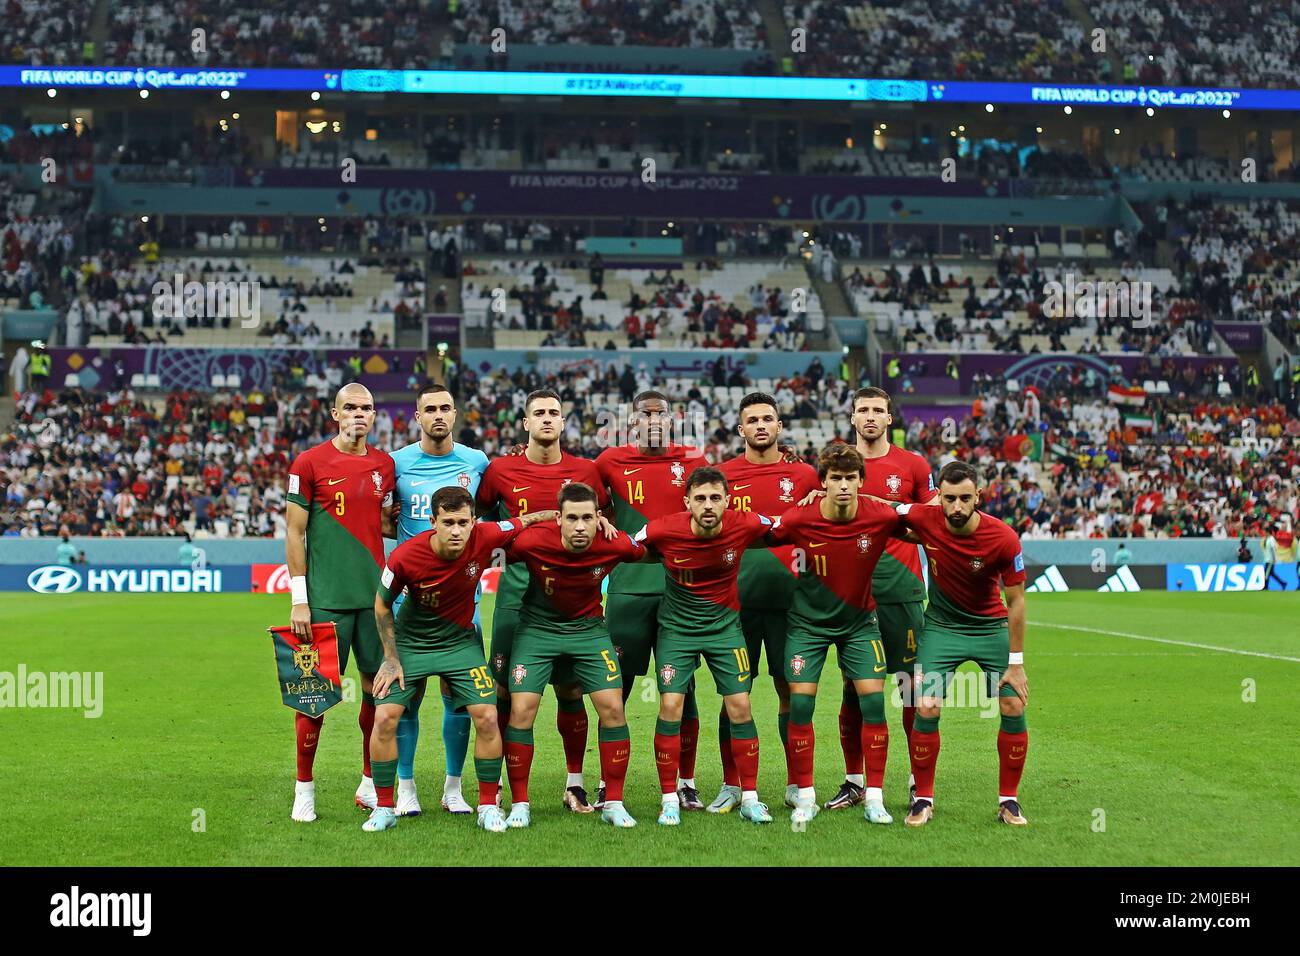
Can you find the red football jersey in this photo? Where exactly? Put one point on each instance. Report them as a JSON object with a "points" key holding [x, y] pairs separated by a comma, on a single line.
{"points": [[441, 593], [565, 586], [965, 568], [701, 573], [835, 557], [906, 477], [522, 486], [766, 578]]}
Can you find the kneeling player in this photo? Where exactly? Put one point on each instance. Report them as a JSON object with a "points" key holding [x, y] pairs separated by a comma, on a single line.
{"points": [[838, 539], [561, 624], [700, 617], [434, 636], [966, 620]]}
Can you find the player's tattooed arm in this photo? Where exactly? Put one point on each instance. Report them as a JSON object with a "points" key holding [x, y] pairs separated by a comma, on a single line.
{"points": [[390, 671], [1015, 675], [536, 517]]}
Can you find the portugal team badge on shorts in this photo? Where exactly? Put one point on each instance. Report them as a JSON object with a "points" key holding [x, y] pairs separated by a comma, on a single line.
{"points": [[518, 674], [498, 662], [796, 665], [667, 673]]}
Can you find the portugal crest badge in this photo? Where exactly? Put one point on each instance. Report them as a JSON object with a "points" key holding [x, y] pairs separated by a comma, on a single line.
{"points": [[679, 473], [305, 658], [666, 674], [518, 673], [463, 479], [895, 484], [378, 481], [787, 489], [976, 564], [796, 665], [864, 543], [498, 662]]}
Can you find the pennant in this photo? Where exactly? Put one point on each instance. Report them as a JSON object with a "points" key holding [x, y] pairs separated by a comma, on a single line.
{"points": [[308, 671]]}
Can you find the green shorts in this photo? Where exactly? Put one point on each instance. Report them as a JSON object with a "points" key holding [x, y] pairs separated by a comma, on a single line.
{"points": [[901, 627], [861, 654], [584, 654], [505, 621], [358, 635], [678, 655], [462, 666], [766, 626], [633, 621], [943, 650]]}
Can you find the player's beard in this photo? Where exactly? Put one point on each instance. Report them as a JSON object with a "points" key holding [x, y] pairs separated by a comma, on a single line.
{"points": [[354, 431], [761, 447], [959, 519], [868, 438], [708, 521]]}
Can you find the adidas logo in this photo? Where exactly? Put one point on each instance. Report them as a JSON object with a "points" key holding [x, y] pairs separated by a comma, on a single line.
{"points": [[1049, 582], [1121, 580]]}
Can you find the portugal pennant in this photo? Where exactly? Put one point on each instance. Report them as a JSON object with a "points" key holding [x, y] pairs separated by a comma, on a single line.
{"points": [[308, 671]]}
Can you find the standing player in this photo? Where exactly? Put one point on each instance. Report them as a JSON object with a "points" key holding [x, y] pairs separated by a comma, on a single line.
{"points": [[561, 623], [762, 480], [435, 461], [894, 475], [700, 617], [646, 479], [966, 620], [334, 547], [434, 634], [520, 483], [838, 540]]}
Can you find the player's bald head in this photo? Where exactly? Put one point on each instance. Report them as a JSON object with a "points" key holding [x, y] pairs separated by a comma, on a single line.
{"points": [[353, 393]]}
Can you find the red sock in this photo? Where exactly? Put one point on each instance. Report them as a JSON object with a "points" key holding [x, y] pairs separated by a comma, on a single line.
{"points": [[308, 733], [745, 753], [519, 763], [875, 744], [790, 774], [668, 754], [384, 796], [366, 720], [487, 792], [851, 735], [799, 751], [1011, 762], [730, 775], [614, 756], [925, 754], [573, 729], [690, 738], [909, 721]]}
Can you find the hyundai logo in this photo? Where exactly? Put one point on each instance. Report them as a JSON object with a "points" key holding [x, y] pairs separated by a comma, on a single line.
{"points": [[54, 579]]}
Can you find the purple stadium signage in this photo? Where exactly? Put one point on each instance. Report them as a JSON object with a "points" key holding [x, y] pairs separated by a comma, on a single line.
{"points": [[1038, 369], [602, 192], [193, 368], [1242, 335]]}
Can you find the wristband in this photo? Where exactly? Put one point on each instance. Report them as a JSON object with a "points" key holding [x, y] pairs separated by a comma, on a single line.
{"points": [[298, 588], [1016, 657]]}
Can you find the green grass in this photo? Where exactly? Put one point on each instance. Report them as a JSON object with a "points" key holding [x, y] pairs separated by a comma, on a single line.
{"points": [[1155, 735]]}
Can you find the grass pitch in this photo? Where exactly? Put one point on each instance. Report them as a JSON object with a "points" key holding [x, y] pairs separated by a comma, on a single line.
{"points": [[1144, 750]]}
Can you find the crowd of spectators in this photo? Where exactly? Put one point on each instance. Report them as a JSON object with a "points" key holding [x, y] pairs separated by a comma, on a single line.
{"points": [[41, 33]]}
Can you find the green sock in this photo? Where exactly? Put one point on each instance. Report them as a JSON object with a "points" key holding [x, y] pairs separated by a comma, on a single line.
{"points": [[1010, 725], [384, 772], [801, 709], [873, 707], [487, 769], [689, 710], [926, 725], [609, 735], [516, 735], [783, 728], [570, 706], [724, 727], [745, 731], [667, 727]]}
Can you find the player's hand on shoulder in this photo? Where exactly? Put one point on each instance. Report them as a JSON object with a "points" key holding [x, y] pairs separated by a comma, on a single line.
{"points": [[609, 530], [811, 497], [788, 454], [516, 450]]}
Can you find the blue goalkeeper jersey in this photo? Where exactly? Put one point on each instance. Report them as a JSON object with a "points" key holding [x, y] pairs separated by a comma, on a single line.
{"points": [[420, 474]]}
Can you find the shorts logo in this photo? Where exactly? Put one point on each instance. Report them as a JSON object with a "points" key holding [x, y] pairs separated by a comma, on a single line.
{"points": [[518, 674], [667, 673], [787, 489], [378, 480], [730, 556], [976, 564], [498, 662], [894, 484], [796, 665], [473, 570], [679, 474], [463, 480], [864, 544]]}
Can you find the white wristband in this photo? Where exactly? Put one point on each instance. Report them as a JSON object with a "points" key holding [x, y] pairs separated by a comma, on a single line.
{"points": [[1016, 657], [298, 588]]}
